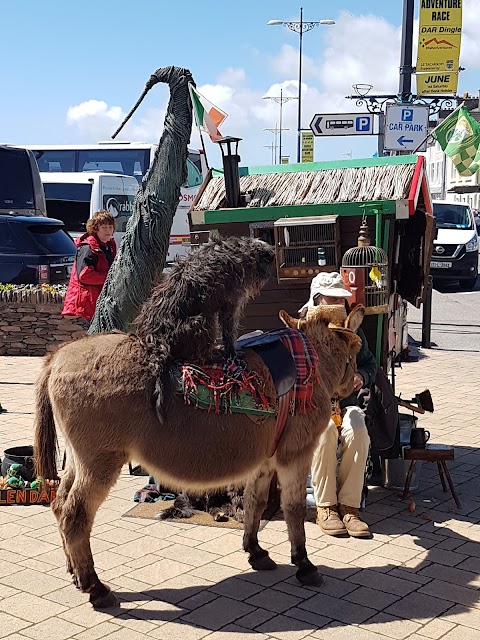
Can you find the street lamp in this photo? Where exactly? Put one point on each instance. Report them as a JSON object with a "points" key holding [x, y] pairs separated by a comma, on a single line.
{"points": [[281, 99], [276, 131], [300, 28]]}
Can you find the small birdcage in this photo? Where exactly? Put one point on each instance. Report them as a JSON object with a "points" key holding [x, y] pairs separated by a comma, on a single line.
{"points": [[306, 246], [365, 273]]}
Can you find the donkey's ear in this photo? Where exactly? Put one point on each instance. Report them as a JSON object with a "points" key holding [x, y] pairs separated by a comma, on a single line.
{"points": [[355, 318], [287, 320]]}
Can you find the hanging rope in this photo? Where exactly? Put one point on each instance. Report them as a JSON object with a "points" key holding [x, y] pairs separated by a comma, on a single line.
{"points": [[144, 248]]}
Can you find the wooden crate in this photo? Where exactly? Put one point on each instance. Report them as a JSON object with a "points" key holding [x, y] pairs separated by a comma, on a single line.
{"points": [[297, 241]]}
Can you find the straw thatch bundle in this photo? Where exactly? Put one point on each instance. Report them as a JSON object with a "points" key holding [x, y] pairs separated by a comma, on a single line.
{"points": [[362, 184]]}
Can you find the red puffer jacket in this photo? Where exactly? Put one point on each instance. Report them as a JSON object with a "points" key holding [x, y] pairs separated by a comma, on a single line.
{"points": [[89, 273]]}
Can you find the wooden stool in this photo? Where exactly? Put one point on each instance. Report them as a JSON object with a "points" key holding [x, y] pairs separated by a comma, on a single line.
{"points": [[438, 453]]}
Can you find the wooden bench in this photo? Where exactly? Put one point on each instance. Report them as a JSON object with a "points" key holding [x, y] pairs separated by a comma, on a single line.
{"points": [[438, 453]]}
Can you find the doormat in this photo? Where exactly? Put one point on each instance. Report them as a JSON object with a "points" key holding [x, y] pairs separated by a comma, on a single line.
{"points": [[150, 511]]}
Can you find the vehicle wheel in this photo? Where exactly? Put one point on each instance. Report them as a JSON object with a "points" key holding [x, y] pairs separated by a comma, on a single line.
{"points": [[468, 283]]}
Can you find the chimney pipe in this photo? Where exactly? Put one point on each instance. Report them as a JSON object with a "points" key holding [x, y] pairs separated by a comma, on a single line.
{"points": [[231, 160]]}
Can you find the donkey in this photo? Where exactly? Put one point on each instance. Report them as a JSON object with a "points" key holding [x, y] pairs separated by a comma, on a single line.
{"points": [[99, 392]]}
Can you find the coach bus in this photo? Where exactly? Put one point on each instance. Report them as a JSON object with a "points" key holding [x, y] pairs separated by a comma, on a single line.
{"points": [[131, 159]]}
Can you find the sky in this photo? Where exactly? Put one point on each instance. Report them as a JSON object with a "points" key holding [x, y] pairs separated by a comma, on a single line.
{"points": [[72, 70]]}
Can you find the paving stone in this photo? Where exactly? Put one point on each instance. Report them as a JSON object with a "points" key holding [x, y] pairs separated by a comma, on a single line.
{"points": [[11, 625], [390, 627], [314, 619], [286, 628], [418, 607], [198, 600], [217, 614], [30, 607], [235, 632], [461, 633], [159, 571], [273, 600], [436, 628], [370, 598], [178, 631], [382, 582], [338, 609], [345, 633], [256, 618], [452, 593], [453, 575], [193, 556], [466, 616], [237, 589], [53, 629]]}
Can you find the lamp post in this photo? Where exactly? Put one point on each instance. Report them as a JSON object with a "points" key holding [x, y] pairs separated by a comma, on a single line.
{"points": [[300, 27], [275, 131], [281, 99]]}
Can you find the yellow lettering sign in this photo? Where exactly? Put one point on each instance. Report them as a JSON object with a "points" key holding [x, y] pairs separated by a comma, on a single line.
{"points": [[439, 40]]}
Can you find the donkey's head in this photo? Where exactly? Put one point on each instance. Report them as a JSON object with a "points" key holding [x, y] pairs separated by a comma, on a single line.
{"points": [[333, 335]]}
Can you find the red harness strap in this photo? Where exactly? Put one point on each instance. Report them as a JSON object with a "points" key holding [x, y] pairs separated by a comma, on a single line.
{"points": [[283, 407]]}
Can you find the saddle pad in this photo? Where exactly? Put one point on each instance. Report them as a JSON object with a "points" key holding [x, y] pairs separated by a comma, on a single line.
{"points": [[223, 389]]}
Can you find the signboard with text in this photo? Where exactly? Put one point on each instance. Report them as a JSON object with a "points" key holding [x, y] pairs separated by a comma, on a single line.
{"points": [[342, 124], [406, 127], [439, 40], [307, 146]]}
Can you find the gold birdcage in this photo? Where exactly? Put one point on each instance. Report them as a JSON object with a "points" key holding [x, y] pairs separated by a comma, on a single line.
{"points": [[365, 273]]}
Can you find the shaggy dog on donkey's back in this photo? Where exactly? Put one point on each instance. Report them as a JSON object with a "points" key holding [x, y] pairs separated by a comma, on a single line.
{"points": [[206, 291]]}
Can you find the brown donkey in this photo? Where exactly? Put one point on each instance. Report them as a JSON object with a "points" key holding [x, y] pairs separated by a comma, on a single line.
{"points": [[98, 391]]}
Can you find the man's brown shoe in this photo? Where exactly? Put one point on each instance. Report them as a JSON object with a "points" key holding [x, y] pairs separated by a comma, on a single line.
{"points": [[355, 526], [329, 521]]}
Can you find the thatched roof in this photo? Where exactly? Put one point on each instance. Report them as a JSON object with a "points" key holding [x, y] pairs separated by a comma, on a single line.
{"points": [[321, 186]]}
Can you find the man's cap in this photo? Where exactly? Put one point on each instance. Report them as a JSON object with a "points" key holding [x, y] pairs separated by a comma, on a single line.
{"points": [[326, 284]]}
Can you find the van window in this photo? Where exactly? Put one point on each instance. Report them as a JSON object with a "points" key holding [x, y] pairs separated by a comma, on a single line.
{"points": [[16, 185], [69, 203], [452, 216]]}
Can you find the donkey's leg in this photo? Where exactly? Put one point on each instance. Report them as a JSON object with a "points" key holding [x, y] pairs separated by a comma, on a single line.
{"points": [[82, 503], [255, 499], [59, 502], [293, 482]]}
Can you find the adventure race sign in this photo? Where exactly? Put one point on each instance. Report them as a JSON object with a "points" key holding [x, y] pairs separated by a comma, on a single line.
{"points": [[439, 40]]}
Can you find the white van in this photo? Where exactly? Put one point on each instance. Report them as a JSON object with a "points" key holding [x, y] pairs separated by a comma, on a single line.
{"points": [[455, 249], [74, 197]]}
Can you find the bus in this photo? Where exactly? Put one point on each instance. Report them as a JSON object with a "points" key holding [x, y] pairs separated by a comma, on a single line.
{"points": [[130, 159]]}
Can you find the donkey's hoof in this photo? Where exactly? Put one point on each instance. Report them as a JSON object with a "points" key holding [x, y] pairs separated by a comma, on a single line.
{"points": [[310, 577], [262, 563], [104, 601]]}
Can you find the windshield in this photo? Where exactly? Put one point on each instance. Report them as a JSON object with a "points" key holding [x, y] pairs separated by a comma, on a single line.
{"points": [[70, 203], [452, 216], [16, 184], [60, 160], [128, 162], [52, 238]]}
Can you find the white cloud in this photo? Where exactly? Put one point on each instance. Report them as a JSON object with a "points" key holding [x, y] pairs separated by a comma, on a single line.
{"points": [[357, 49]]}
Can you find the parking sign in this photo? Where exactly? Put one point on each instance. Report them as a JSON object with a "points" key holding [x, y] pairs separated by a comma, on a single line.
{"points": [[342, 124], [406, 127]]}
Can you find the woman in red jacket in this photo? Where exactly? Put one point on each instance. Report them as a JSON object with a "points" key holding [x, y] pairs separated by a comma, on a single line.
{"points": [[96, 250]]}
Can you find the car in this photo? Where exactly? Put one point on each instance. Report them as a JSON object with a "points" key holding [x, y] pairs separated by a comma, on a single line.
{"points": [[34, 250], [455, 248]]}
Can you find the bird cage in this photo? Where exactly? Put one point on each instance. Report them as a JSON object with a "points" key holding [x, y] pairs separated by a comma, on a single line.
{"points": [[365, 273], [306, 246]]}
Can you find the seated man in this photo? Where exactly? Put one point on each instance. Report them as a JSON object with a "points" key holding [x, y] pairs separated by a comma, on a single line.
{"points": [[338, 495]]}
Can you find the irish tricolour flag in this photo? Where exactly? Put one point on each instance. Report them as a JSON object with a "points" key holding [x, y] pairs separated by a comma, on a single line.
{"points": [[207, 116]]}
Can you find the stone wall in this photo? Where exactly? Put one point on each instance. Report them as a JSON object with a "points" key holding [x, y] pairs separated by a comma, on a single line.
{"points": [[31, 323]]}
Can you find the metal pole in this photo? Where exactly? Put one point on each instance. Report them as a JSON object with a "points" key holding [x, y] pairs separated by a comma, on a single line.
{"points": [[280, 139], [299, 125], [427, 316], [275, 134], [381, 134], [405, 85]]}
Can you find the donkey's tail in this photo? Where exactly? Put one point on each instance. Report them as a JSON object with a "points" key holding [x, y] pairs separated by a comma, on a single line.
{"points": [[46, 443]]}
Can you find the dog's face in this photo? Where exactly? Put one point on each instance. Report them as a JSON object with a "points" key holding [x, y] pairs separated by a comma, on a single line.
{"points": [[259, 267]]}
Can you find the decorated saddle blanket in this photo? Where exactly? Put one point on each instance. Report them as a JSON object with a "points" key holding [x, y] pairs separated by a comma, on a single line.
{"points": [[230, 387]]}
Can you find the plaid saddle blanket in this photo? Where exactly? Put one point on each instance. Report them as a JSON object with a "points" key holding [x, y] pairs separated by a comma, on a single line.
{"points": [[230, 387]]}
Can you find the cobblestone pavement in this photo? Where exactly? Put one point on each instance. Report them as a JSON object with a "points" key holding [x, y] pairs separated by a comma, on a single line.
{"points": [[417, 578]]}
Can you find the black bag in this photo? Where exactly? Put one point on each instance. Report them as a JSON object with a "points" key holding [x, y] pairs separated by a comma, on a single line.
{"points": [[381, 417]]}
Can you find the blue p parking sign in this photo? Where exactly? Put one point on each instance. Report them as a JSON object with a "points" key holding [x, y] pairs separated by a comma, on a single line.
{"points": [[363, 123], [407, 115]]}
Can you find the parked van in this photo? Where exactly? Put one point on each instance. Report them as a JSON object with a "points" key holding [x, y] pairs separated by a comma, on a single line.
{"points": [[455, 249], [21, 189], [34, 249], [74, 197]]}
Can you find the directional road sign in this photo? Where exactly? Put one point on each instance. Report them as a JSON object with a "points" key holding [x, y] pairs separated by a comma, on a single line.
{"points": [[342, 124], [406, 127]]}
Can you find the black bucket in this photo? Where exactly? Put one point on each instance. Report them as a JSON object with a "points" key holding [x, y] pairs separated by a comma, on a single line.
{"points": [[19, 455]]}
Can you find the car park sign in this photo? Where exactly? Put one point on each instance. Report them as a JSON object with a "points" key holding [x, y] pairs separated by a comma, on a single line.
{"points": [[342, 124], [406, 127]]}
